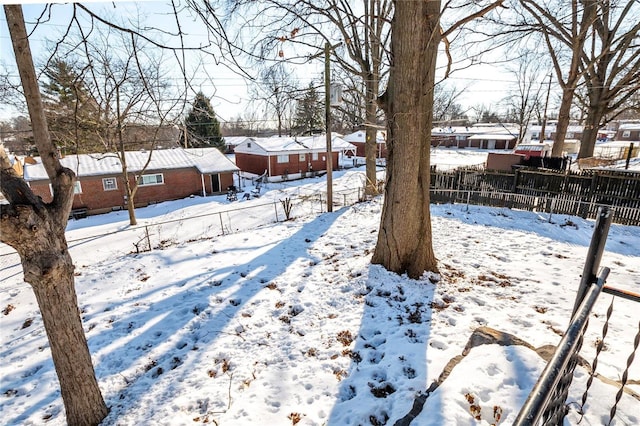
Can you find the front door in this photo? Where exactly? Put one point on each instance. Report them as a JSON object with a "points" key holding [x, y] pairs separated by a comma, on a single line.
{"points": [[215, 183]]}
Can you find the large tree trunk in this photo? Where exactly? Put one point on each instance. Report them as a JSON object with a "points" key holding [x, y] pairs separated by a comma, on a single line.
{"points": [[404, 240], [564, 116], [36, 231], [38, 237], [590, 132]]}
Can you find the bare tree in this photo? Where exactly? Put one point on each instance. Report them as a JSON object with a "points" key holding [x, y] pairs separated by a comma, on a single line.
{"points": [[351, 114], [528, 90], [297, 30], [404, 240], [631, 108], [564, 34], [611, 67], [446, 107], [129, 89], [36, 230], [277, 89], [17, 136]]}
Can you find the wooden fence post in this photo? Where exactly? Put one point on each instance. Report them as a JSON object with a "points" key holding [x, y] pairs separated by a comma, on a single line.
{"points": [[590, 196], [516, 176]]}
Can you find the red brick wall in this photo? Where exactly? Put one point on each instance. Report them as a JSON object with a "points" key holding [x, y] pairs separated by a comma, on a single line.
{"points": [[252, 163], [296, 166], [257, 164], [381, 150], [178, 184]]}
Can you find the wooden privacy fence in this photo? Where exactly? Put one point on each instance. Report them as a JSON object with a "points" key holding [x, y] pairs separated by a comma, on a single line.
{"points": [[576, 194]]}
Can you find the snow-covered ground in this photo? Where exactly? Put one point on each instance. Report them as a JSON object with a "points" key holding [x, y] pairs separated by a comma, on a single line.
{"points": [[289, 323]]}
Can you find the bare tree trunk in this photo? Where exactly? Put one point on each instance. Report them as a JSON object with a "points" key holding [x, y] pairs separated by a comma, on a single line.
{"points": [[564, 116], [131, 193], [404, 241], [590, 133], [371, 135], [131, 206], [36, 231]]}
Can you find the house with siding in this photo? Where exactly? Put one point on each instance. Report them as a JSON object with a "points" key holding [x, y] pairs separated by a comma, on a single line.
{"points": [[230, 142], [481, 136], [170, 175], [574, 132], [628, 132], [282, 158]]}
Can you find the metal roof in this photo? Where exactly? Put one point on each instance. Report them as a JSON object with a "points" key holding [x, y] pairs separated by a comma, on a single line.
{"points": [[205, 160]]}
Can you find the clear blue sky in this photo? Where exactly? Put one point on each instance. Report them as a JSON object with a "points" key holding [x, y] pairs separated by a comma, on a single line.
{"points": [[486, 85]]}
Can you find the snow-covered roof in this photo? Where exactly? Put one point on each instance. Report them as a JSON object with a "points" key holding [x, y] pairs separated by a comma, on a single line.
{"points": [[629, 126], [206, 160], [274, 145], [360, 135], [319, 143], [235, 140], [493, 136], [484, 129]]}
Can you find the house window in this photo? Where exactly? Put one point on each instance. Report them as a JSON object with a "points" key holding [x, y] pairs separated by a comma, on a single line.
{"points": [[109, 184], [248, 144], [301, 157], [77, 188], [314, 156], [156, 179], [282, 159], [626, 133]]}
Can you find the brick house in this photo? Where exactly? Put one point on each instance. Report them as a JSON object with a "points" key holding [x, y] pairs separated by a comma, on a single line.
{"points": [[289, 157], [358, 139], [171, 174]]}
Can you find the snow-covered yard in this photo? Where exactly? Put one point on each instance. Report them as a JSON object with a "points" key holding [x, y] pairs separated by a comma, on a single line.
{"points": [[289, 323]]}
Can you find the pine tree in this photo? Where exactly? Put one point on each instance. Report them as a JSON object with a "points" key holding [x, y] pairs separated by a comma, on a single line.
{"points": [[309, 112], [70, 110], [203, 128]]}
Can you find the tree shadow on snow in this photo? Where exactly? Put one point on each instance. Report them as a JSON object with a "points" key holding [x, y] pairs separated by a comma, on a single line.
{"points": [[388, 363], [168, 327]]}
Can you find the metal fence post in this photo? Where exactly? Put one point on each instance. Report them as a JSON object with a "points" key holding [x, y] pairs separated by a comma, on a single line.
{"points": [[594, 255], [546, 386]]}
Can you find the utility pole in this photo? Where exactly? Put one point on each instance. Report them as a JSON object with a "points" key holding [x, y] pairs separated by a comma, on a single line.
{"points": [[327, 120]]}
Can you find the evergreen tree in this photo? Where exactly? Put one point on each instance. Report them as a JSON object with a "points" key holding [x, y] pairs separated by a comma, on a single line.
{"points": [[309, 116], [203, 128], [70, 110]]}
